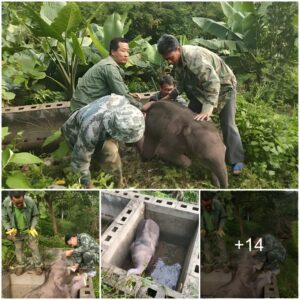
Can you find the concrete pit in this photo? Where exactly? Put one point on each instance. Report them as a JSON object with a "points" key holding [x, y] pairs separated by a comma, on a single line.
{"points": [[18, 286], [174, 268]]}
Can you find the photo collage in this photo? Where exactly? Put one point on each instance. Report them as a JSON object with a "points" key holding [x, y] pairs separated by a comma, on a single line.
{"points": [[149, 149]]}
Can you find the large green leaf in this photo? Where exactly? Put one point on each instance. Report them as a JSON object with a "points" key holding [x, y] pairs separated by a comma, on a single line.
{"points": [[25, 158], [68, 19], [114, 26], [52, 138], [17, 180], [235, 18], [217, 29], [152, 54], [62, 150], [217, 44], [244, 7], [77, 48], [41, 28], [5, 133], [98, 44], [50, 10], [6, 156]]}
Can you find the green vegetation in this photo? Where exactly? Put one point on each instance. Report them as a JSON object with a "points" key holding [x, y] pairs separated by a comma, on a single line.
{"points": [[48, 46], [60, 213]]}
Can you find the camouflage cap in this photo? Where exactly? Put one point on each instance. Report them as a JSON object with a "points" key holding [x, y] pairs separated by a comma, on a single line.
{"points": [[125, 123]]}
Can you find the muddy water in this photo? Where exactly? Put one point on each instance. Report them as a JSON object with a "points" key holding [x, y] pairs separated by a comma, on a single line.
{"points": [[105, 224], [167, 263]]}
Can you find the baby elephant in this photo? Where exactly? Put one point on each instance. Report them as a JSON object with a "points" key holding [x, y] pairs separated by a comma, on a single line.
{"points": [[173, 135], [59, 283], [143, 248], [248, 281]]}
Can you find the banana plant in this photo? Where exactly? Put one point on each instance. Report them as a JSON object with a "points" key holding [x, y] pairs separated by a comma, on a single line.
{"points": [[238, 36], [57, 29]]}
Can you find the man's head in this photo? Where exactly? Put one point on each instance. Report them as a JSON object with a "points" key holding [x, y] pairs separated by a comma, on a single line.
{"points": [[119, 50], [166, 84], [17, 198], [124, 122], [71, 240], [169, 47], [206, 200]]}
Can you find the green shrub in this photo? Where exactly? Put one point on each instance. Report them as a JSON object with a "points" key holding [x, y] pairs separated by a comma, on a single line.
{"points": [[270, 142]]}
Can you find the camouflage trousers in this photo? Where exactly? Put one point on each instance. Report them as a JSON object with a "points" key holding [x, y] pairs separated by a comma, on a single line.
{"points": [[20, 240], [88, 259], [108, 159], [211, 242]]}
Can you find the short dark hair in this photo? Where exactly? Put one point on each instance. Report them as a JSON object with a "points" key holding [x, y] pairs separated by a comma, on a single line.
{"points": [[166, 44], [16, 194], [114, 43], [207, 195], [68, 237], [166, 79]]}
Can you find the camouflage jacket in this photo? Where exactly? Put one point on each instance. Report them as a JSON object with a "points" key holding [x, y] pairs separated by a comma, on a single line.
{"points": [[84, 132], [104, 78], [178, 99], [272, 252], [30, 212], [85, 244], [216, 216], [204, 77]]}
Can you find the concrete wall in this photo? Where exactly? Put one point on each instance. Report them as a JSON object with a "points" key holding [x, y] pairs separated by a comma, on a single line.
{"points": [[179, 223]]}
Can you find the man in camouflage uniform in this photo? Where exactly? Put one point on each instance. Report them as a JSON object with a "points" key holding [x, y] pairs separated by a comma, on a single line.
{"points": [[167, 91], [85, 252], [272, 255], [209, 84], [88, 130], [19, 218], [104, 78], [213, 219]]}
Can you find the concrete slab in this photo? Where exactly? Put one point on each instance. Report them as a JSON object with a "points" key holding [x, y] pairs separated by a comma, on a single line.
{"points": [[88, 291], [21, 285], [192, 208], [191, 287]]}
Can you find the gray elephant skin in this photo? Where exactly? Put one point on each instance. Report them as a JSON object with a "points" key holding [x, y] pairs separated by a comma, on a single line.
{"points": [[174, 136], [59, 283]]}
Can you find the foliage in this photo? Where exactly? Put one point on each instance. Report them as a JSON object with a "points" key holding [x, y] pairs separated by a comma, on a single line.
{"points": [[272, 152], [8, 253], [12, 176]]}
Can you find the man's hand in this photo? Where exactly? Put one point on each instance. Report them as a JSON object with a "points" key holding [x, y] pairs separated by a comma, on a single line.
{"points": [[11, 232], [32, 232], [204, 116], [203, 233], [69, 252], [220, 233], [146, 106]]}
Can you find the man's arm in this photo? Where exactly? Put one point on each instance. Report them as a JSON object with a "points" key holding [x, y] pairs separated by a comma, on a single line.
{"points": [[117, 85], [84, 245]]}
